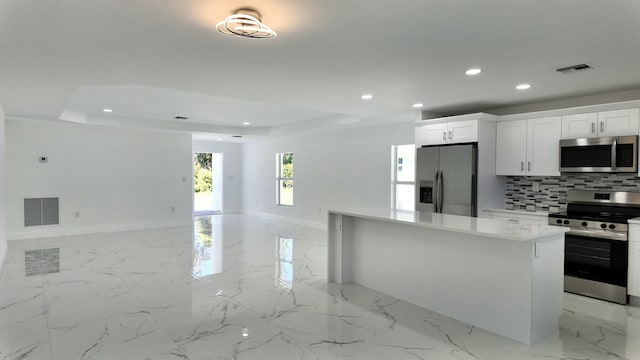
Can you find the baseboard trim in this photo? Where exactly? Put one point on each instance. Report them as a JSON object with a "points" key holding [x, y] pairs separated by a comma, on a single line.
{"points": [[54, 232], [313, 224], [635, 301]]}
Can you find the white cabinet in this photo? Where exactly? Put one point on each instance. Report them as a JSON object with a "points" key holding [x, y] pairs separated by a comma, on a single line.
{"points": [[618, 122], [528, 147], [517, 217], [579, 126], [633, 282], [604, 123], [511, 147], [447, 133]]}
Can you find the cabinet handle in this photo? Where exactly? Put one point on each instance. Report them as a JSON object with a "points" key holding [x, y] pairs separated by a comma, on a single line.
{"points": [[529, 166], [593, 128], [450, 135], [444, 135], [521, 165], [602, 126]]}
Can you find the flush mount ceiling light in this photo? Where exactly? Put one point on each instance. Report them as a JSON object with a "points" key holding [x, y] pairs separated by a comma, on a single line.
{"points": [[366, 97], [107, 110], [417, 105], [473, 71], [246, 123], [245, 22], [523, 86]]}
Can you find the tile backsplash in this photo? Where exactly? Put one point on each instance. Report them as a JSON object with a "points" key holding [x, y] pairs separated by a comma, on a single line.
{"points": [[552, 193]]}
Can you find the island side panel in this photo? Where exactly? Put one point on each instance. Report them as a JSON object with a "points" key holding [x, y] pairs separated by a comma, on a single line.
{"points": [[339, 230], [548, 287], [482, 281]]}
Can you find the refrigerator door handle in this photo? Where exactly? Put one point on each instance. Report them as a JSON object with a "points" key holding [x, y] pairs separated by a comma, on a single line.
{"points": [[435, 192], [440, 191]]}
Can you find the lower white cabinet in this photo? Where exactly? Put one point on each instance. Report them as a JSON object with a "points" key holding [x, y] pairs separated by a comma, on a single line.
{"points": [[517, 217], [633, 282]]}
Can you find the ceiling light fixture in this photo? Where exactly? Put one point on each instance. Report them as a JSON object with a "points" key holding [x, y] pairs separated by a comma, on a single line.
{"points": [[473, 71], [245, 22], [417, 105], [107, 110], [246, 123], [523, 86], [366, 97]]}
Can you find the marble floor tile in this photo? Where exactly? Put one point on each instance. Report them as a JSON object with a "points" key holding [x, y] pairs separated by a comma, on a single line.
{"points": [[242, 287]]}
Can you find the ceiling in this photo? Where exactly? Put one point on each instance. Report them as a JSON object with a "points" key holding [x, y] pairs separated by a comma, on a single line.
{"points": [[152, 60]]}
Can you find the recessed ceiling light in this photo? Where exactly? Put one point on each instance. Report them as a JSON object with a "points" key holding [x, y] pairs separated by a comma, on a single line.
{"points": [[473, 71], [366, 97], [107, 110], [219, 139], [417, 105], [246, 123], [523, 86]]}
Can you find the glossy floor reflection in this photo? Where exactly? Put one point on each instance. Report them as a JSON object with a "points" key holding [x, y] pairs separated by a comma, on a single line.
{"points": [[245, 288]]}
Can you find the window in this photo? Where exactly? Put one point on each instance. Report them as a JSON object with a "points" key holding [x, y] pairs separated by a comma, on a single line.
{"points": [[284, 179], [403, 174]]}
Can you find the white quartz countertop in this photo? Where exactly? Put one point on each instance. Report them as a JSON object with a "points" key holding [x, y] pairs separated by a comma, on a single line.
{"points": [[455, 223], [521, 212]]}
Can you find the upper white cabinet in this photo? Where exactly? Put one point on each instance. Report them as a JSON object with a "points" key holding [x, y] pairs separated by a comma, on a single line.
{"points": [[605, 123], [528, 147], [618, 122], [447, 133]]}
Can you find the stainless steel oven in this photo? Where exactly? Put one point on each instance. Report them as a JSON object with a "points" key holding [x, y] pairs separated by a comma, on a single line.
{"points": [[601, 154], [596, 245]]}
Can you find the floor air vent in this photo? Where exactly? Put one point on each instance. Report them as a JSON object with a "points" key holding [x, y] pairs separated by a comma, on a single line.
{"points": [[41, 211]]}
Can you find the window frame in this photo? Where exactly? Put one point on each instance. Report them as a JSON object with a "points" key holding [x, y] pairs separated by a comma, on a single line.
{"points": [[394, 175], [279, 177]]}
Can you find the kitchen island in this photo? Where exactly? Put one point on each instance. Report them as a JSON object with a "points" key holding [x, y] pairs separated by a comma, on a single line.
{"points": [[503, 277]]}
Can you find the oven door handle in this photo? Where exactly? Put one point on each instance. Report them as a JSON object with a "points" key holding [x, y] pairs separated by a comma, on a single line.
{"points": [[609, 235]]}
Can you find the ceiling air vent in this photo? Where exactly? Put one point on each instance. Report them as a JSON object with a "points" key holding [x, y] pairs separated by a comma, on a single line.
{"points": [[236, 136], [574, 68]]}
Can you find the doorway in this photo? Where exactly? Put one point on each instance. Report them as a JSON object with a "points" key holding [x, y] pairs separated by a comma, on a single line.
{"points": [[207, 183]]}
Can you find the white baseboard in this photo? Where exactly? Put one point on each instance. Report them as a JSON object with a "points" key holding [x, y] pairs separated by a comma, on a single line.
{"points": [[313, 224], [635, 301], [52, 231]]}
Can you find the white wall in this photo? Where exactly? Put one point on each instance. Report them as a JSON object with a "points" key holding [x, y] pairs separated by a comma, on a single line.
{"points": [[3, 238], [117, 179], [232, 171], [337, 169]]}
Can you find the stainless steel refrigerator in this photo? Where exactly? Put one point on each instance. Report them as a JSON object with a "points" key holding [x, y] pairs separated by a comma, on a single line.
{"points": [[446, 179]]}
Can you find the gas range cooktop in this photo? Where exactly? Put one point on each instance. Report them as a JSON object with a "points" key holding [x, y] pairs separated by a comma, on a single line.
{"points": [[599, 216]]}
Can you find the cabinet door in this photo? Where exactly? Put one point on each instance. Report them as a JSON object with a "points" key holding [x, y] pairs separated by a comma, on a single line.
{"points": [[579, 126], [634, 268], [543, 146], [462, 131], [618, 122], [432, 134], [511, 147]]}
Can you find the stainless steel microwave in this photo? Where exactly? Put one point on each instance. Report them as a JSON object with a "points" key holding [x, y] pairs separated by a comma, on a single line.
{"points": [[601, 154]]}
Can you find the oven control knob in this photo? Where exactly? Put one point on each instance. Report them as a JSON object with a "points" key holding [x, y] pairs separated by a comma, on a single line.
{"points": [[612, 226], [558, 221], [584, 223], [566, 222], [604, 226]]}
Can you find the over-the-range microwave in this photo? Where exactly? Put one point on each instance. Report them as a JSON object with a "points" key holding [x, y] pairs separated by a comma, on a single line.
{"points": [[600, 154]]}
